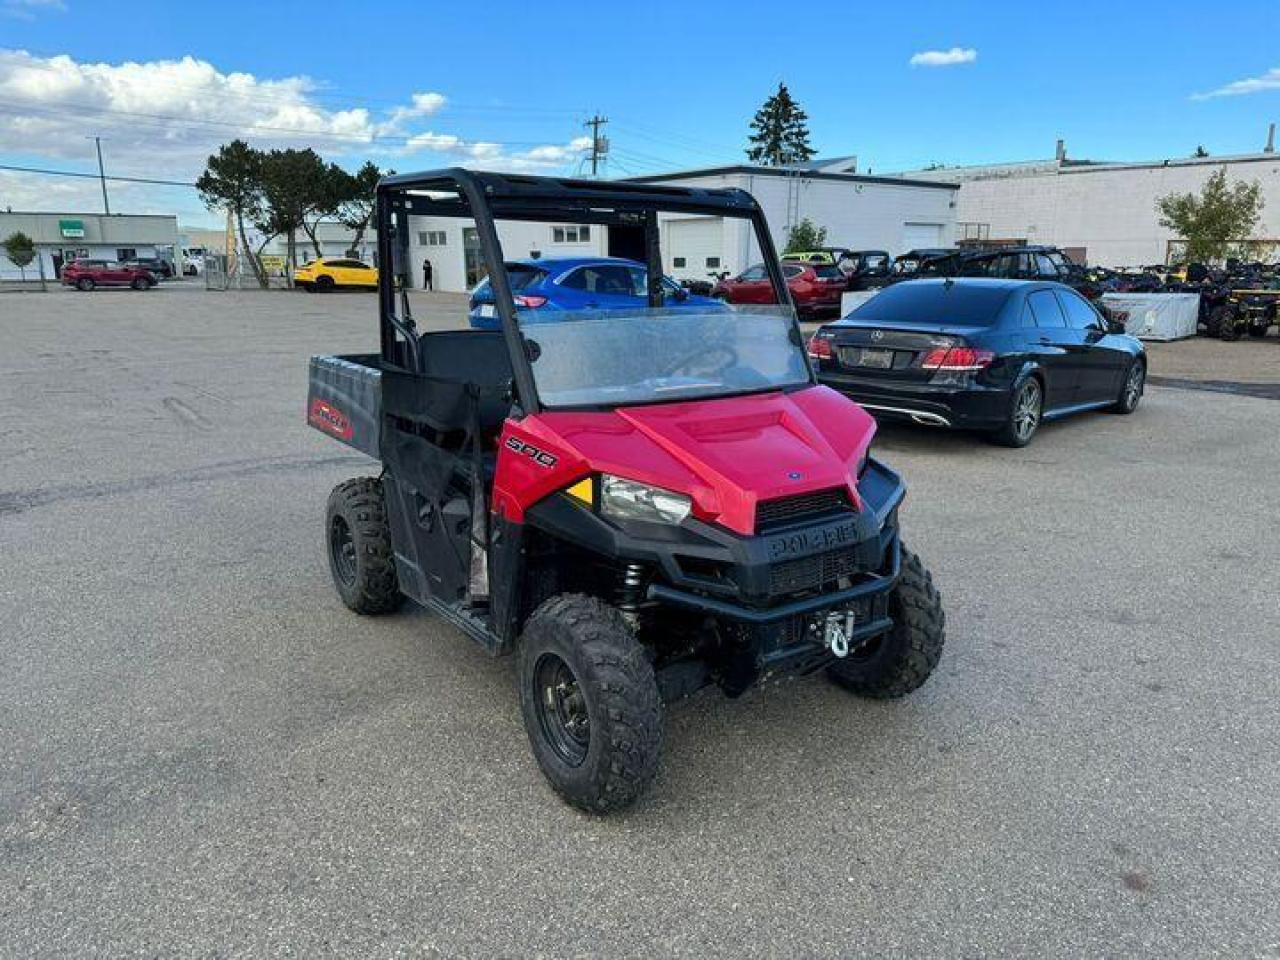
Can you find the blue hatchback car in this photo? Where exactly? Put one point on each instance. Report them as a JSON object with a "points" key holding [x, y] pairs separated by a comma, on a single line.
{"points": [[577, 283]]}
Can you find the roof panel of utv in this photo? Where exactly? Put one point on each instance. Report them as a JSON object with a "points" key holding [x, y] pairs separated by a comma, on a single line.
{"points": [[518, 197]]}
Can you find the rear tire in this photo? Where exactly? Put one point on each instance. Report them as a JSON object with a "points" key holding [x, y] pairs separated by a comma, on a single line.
{"points": [[140, 283], [1259, 331], [899, 661], [324, 284], [1229, 327], [1026, 409], [1213, 322], [358, 544], [1135, 381], [590, 703], [85, 284]]}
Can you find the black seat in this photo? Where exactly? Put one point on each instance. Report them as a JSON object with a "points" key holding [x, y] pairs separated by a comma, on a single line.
{"points": [[457, 364]]}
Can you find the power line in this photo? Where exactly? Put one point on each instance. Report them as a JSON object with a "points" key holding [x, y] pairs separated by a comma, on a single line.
{"points": [[94, 176], [72, 109]]}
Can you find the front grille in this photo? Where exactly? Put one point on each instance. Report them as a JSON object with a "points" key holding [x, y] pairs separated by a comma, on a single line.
{"points": [[804, 506], [809, 573]]}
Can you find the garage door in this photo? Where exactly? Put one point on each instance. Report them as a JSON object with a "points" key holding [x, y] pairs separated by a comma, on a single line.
{"points": [[694, 248], [918, 235]]}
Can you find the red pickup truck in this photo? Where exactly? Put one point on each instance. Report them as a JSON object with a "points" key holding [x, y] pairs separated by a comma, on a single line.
{"points": [[87, 274]]}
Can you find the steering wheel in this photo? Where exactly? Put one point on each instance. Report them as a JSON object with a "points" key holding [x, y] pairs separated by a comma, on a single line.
{"points": [[704, 361]]}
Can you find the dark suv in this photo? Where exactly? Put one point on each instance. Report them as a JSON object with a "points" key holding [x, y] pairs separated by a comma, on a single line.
{"points": [[1014, 263], [159, 268]]}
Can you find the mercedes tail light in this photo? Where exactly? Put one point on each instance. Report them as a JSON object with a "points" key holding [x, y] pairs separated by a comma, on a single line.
{"points": [[956, 364], [820, 347], [965, 359], [529, 302]]}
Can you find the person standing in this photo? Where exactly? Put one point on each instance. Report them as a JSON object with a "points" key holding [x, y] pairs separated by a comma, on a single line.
{"points": [[426, 275]]}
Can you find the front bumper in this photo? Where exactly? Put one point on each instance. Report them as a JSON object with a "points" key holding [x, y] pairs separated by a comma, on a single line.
{"points": [[776, 575]]}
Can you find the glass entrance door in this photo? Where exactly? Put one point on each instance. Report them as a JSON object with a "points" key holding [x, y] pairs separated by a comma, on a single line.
{"points": [[472, 258]]}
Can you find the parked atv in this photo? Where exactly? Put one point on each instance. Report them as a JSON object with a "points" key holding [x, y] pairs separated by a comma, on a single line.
{"points": [[1245, 310], [636, 503]]}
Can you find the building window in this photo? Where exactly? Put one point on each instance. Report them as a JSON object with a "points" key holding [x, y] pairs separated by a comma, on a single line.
{"points": [[126, 253], [574, 234], [713, 262], [431, 238], [677, 262]]}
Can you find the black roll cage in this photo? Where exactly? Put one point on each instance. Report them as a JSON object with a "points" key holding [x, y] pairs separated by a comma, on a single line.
{"points": [[486, 198]]}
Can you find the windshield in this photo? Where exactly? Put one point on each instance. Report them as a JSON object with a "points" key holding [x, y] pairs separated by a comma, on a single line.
{"points": [[613, 357]]}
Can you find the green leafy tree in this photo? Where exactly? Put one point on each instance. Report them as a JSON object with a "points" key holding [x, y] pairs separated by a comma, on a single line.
{"points": [[780, 134], [21, 250], [805, 235], [355, 210], [1217, 220], [233, 180], [1201, 152], [294, 183], [330, 188]]}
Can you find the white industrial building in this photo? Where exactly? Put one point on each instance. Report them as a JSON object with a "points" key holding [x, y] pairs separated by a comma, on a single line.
{"points": [[63, 237], [1099, 213], [335, 240], [859, 211]]}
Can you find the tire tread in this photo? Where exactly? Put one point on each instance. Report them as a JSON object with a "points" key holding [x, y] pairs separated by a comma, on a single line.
{"points": [[617, 666], [920, 632], [377, 588]]}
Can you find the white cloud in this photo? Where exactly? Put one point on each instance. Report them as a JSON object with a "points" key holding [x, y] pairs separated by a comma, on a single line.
{"points": [[27, 9], [943, 58], [1239, 88], [421, 105], [163, 118]]}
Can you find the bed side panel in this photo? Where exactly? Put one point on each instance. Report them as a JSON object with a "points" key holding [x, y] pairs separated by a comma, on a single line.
{"points": [[344, 400]]}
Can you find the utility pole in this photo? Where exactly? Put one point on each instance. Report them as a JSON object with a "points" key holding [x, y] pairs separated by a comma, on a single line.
{"points": [[102, 177], [599, 144]]}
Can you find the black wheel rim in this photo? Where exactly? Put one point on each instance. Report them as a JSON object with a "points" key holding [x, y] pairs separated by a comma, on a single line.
{"points": [[1026, 411], [1133, 387], [342, 550], [562, 709]]}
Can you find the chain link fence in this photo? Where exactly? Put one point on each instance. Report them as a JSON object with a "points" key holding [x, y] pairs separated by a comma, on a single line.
{"points": [[225, 273]]}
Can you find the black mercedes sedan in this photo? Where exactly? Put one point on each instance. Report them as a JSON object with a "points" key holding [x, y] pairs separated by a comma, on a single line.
{"points": [[1000, 356]]}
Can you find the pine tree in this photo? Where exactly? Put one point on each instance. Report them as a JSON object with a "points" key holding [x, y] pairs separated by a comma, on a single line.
{"points": [[780, 134]]}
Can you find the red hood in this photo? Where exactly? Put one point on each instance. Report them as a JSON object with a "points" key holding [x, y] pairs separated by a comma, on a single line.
{"points": [[726, 454]]}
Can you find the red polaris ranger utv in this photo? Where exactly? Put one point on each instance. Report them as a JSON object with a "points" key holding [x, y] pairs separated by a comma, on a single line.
{"points": [[637, 501]]}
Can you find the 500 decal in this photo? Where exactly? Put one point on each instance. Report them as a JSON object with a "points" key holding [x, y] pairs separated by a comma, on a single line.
{"points": [[325, 416], [540, 457]]}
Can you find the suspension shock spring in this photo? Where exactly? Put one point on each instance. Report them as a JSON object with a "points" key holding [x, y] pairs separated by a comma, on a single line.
{"points": [[631, 591]]}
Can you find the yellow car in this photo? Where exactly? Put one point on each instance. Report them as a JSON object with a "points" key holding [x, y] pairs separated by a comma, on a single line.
{"points": [[329, 273]]}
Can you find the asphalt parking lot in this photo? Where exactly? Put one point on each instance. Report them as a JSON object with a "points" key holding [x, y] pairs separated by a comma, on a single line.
{"points": [[202, 753]]}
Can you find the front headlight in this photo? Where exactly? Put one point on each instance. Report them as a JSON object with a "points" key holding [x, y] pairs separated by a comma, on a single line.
{"points": [[629, 500]]}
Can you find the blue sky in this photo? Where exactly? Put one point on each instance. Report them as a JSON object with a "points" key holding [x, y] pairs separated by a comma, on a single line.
{"points": [[679, 82]]}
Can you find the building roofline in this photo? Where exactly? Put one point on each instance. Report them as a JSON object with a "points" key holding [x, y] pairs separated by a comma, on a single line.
{"points": [[75, 213], [792, 172], [1094, 167], [1049, 165]]}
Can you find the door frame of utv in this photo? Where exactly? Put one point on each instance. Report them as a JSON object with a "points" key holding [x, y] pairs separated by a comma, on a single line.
{"points": [[485, 198]]}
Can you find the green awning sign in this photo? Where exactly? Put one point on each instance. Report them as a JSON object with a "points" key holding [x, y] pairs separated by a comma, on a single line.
{"points": [[71, 228]]}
